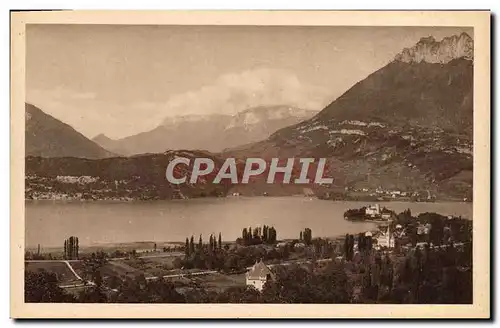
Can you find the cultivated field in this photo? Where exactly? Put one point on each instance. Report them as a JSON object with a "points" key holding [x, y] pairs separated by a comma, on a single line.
{"points": [[61, 269]]}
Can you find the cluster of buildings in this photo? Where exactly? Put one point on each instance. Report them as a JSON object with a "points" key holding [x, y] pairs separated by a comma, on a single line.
{"points": [[375, 212], [84, 179], [384, 238], [380, 192]]}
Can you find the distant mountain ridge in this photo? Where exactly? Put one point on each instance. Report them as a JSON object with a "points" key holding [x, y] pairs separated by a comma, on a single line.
{"points": [[45, 136], [209, 132]]}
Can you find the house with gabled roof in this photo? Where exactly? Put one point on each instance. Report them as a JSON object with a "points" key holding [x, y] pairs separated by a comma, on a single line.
{"points": [[258, 275]]}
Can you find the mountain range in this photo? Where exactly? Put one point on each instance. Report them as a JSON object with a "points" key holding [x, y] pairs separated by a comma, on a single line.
{"points": [[208, 132], [407, 126], [46, 136]]}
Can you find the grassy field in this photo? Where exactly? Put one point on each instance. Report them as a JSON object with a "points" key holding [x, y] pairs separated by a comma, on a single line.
{"points": [[151, 267], [218, 282], [121, 269], [64, 274]]}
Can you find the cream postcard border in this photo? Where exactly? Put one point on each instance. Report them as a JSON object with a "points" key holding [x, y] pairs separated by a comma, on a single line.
{"points": [[479, 20]]}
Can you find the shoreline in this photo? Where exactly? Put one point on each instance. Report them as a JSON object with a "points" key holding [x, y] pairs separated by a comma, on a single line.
{"points": [[75, 200], [160, 244]]}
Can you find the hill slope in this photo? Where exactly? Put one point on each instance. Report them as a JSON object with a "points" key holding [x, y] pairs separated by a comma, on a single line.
{"points": [[139, 177], [49, 137]]}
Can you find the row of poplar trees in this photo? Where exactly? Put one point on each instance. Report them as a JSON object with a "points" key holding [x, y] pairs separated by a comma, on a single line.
{"points": [[264, 234], [306, 236], [71, 248], [213, 245]]}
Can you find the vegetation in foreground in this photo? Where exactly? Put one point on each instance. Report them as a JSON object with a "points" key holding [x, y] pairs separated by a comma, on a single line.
{"points": [[432, 268]]}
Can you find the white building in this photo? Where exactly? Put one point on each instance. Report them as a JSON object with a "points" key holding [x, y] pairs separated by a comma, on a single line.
{"points": [[373, 210], [386, 238], [386, 215], [75, 179], [258, 275]]}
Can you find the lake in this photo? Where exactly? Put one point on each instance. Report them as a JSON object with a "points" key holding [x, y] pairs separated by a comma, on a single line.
{"points": [[49, 222]]}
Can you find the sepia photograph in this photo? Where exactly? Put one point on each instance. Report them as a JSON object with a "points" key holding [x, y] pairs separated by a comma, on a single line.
{"points": [[171, 162]]}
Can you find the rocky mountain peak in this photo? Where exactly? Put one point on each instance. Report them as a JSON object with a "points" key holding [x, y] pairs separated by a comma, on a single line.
{"points": [[429, 50]]}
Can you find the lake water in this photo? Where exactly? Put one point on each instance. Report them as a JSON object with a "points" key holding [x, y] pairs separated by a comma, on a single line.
{"points": [[49, 222]]}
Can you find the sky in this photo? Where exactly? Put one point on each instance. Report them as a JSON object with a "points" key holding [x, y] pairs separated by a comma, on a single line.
{"points": [[121, 80]]}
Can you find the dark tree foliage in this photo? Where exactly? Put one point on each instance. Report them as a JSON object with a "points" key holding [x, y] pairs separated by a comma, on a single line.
{"points": [[93, 264], [307, 236], [439, 272], [42, 287], [139, 290], [187, 250], [200, 243], [259, 235], [71, 248], [94, 294], [191, 245], [298, 285], [349, 247]]}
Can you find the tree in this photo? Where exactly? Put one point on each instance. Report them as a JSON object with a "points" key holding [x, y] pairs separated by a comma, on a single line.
{"points": [[239, 294], [187, 249], [42, 287], [436, 233], [94, 294], [256, 233], [411, 232], [71, 248], [220, 241], [272, 236], [351, 246], [346, 246], [92, 266], [295, 284], [300, 237], [368, 243], [200, 244], [307, 235], [361, 241], [161, 291], [191, 246]]}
